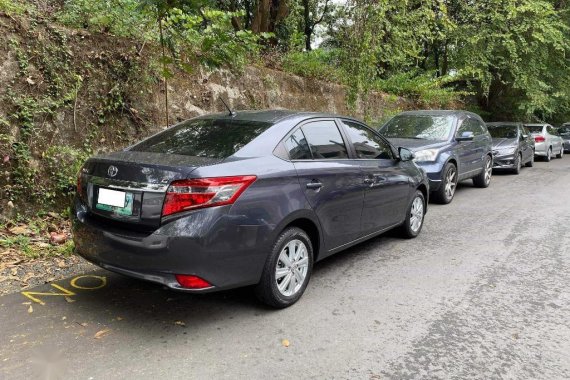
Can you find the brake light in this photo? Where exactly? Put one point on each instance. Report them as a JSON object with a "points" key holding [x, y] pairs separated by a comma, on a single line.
{"points": [[192, 282], [189, 194], [539, 139]]}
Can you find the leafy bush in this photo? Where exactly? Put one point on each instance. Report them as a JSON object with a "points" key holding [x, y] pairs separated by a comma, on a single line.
{"points": [[319, 64], [423, 88], [119, 17]]}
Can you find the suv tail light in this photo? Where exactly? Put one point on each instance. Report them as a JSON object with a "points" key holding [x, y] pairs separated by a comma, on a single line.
{"points": [[538, 139], [189, 194]]}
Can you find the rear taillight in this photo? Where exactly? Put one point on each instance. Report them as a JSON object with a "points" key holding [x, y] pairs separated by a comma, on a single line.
{"points": [[189, 194], [538, 139], [192, 282]]}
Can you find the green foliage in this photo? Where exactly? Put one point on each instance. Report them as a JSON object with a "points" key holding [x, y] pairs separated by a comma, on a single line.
{"points": [[64, 177], [318, 64], [20, 242], [14, 6], [426, 90], [211, 38], [119, 17]]}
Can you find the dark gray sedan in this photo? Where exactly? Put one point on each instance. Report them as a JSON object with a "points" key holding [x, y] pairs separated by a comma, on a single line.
{"points": [[513, 146], [253, 198]]}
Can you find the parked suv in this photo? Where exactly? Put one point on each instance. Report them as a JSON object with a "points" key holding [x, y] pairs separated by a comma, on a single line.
{"points": [[451, 146], [564, 132], [513, 146], [546, 141], [252, 198]]}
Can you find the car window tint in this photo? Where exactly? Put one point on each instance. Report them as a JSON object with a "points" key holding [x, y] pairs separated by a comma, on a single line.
{"points": [[325, 140], [297, 146], [366, 143], [503, 131], [212, 138], [535, 128], [469, 125]]}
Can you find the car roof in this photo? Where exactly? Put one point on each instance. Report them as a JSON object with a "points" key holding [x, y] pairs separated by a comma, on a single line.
{"points": [[456, 113], [510, 123], [272, 116]]}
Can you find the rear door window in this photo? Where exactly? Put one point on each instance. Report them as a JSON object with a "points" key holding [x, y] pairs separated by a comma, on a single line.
{"points": [[366, 143], [325, 140], [211, 138], [297, 146]]}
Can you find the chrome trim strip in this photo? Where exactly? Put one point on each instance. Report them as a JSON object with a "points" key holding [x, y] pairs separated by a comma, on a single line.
{"points": [[127, 185]]}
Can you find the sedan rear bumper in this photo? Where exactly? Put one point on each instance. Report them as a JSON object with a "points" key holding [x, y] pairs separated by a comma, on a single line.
{"points": [[196, 244]]}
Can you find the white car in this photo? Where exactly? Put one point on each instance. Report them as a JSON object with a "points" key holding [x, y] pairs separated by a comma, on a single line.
{"points": [[546, 141]]}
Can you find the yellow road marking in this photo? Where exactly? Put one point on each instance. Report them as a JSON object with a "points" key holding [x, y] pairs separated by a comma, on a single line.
{"points": [[64, 291]]}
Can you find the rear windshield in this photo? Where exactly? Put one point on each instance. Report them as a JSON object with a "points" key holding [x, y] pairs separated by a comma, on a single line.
{"points": [[423, 127], [210, 138], [503, 131], [534, 128]]}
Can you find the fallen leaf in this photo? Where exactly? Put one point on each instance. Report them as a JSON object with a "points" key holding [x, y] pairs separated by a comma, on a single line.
{"points": [[30, 81], [180, 323], [101, 333], [285, 343], [30, 309], [70, 300], [56, 238], [6, 158], [61, 263], [84, 324], [119, 318], [63, 318], [53, 214], [20, 230]]}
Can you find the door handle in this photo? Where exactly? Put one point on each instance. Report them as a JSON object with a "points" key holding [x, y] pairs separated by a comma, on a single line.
{"points": [[314, 185], [368, 181]]}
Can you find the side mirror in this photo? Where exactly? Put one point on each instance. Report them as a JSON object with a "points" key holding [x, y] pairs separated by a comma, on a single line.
{"points": [[465, 136], [405, 154]]}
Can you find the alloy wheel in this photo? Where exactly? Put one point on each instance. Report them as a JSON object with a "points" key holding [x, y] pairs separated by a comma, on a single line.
{"points": [[488, 170], [416, 214], [450, 182], [291, 268]]}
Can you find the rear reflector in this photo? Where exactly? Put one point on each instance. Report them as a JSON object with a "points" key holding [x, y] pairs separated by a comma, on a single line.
{"points": [[192, 282], [538, 139], [189, 194]]}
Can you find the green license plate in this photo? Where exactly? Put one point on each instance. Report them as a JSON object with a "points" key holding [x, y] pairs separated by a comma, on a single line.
{"points": [[115, 202]]}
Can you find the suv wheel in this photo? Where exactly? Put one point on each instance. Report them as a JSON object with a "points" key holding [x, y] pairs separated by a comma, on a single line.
{"points": [[530, 162], [548, 155], [287, 270], [415, 217], [483, 179], [446, 191], [517, 164]]}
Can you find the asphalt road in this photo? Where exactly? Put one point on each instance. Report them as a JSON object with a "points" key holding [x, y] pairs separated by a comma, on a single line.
{"points": [[483, 293]]}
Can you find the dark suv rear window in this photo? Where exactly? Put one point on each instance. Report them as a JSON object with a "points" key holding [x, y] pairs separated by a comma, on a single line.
{"points": [[210, 138]]}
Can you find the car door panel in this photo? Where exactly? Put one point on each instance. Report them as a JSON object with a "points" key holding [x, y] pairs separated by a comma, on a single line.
{"points": [[332, 182], [387, 184]]}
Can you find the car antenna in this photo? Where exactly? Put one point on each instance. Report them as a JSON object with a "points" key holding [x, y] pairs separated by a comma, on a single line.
{"points": [[232, 112]]}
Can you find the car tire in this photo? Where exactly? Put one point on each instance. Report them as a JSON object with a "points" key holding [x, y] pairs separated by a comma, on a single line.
{"points": [[290, 261], [414, 222], [561, 154], [530, 162], [517, 164], [446, 191], [548, 156], [483, 179]]}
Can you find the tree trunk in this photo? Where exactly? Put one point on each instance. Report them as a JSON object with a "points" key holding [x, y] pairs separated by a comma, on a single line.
{"points": [[268, 14], [308, 26]]}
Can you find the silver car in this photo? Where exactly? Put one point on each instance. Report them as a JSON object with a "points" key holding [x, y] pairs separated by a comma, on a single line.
{"points": [[564, 132], [546, 141]]}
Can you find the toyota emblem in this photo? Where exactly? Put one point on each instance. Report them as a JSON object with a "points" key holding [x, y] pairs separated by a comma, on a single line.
{"points": [[112, 171]]}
